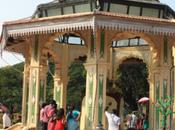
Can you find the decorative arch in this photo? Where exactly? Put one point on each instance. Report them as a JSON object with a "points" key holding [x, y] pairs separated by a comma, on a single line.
{"points": [[126, 35], [140, 60], [81, 34], [119, 62], [148, 38], [48, 47]]}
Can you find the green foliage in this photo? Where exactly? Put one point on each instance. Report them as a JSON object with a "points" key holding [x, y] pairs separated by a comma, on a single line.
{"points": [[132, 79], [11, 85], [164, 107], [77, 82], [11, 80], [50, 82]]}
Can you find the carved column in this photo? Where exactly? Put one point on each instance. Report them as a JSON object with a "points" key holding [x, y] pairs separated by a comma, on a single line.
{"points": [[61, 78], [159, 88], [58, 85], [166, 70], [95, 94], [161, 80], [173, 84], [154, 94], [96, 67], [43, 83], [25, 92], [34, 83]]}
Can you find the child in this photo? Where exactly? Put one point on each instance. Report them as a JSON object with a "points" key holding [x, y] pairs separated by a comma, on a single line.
{"points": [[60, 122]]}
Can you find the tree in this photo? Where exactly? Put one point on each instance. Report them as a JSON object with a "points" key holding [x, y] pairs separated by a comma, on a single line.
{"points": [[50, 81], [77, 82], [11, 79], [132, 79], [11, 85]]}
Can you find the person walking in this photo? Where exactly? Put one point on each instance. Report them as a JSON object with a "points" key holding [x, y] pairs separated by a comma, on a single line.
{"points": [[60, 121], [113, 120], [6, 117], [133, 121], [73, 117]]}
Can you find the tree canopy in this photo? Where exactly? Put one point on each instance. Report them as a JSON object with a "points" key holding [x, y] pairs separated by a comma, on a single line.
{"points": [[132, 79], [77, 82], [11, 85]]}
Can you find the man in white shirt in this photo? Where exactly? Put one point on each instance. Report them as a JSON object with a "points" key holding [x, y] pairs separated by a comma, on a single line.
{"points": [[6, 121], [113, 119], [133, 121], [5, 118]]}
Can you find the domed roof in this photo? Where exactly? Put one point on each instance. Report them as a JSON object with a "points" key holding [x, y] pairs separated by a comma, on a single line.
{"points": [[150, 8]]}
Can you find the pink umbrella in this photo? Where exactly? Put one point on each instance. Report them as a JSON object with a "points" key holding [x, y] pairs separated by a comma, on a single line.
{"points": [[143, 100]]}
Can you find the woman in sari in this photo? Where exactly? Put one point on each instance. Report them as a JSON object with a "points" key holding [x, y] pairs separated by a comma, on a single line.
{"points": [[73, 117]]}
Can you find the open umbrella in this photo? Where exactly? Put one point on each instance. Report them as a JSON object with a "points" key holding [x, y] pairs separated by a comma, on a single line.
{"points": [[143, 100]]}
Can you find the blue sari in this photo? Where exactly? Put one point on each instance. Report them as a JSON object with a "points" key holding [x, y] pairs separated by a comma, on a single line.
{"points": [[72, 123]]}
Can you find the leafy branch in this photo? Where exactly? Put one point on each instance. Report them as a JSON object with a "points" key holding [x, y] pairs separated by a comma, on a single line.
{"points": [[164, 107]]}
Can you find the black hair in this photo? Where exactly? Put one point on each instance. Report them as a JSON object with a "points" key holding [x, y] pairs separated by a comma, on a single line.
{"points": [[72, 107], [43, 105], [60, 113], [54, 106], [53, 102], [5, 105], [114, 111], [143, 115]]}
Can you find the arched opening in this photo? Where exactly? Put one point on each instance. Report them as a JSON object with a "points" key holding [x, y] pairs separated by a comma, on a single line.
{"points": [[55, 46], [76, 71], [77, 82], [128, 82], [64, 49], [70, 38], [132, 77], [130, 42]]}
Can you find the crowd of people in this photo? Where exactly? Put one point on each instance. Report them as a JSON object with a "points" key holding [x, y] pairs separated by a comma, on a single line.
{"points": [[137, 121], [134, 121], [52, 118]]}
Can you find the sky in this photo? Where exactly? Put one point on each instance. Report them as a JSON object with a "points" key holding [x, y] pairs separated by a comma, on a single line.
{"points": [[17, 9], [13, 10]]}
